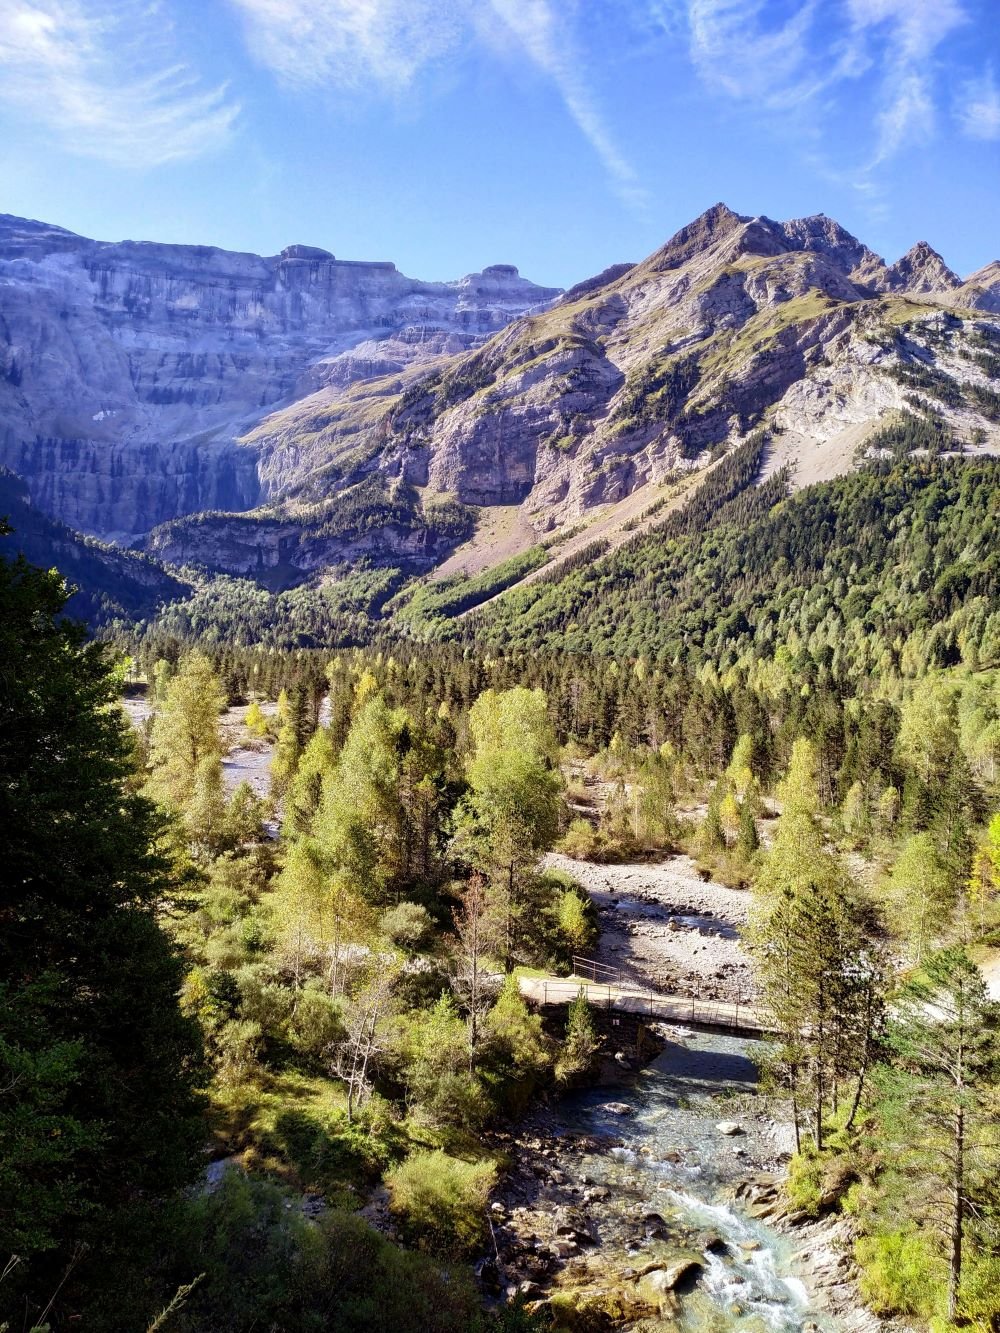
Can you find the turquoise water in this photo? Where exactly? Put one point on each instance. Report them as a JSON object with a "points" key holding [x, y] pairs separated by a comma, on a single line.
{"points": [[673, 1162]]}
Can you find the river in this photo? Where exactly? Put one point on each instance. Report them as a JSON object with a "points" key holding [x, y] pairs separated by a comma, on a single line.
{"points": [[644, 1198], [672, 1176]]}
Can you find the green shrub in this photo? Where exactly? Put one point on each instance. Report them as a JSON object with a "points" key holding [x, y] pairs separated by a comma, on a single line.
{"points": [[316, 1023], [818, 1183], [262, 1001], [582, 1042], [238, 1043], [980, 1296], [517, 1055], [440, 1201], [576, 923], [443, 1093], [804, 1185], [266, 1267], [408, 925], [581, 840], [328, 1151], [901, 1274]]}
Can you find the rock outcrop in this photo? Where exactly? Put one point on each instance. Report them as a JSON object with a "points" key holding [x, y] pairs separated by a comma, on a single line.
{"points": [[105, 583], [129, 371], [142, 383]]}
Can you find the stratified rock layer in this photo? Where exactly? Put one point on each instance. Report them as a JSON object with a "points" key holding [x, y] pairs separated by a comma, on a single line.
{"points": [[294, 412], [129, 371]]}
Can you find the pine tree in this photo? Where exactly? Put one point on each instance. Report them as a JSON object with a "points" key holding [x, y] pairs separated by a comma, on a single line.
{"points": [[945, 1033], [921, 895], [748, 839], [711, 836], [581, 1042], [185, 731], [98, 1066], [820, 978], [360, 823], [511, 813]]}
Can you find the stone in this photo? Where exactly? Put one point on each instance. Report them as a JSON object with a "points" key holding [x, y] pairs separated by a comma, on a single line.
{"points": [[668, 1277], [617, 1108], [729, 1128], [138, 367]]}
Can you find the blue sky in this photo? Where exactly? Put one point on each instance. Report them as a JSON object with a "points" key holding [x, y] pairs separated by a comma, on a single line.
{"points": [[559, 135]]}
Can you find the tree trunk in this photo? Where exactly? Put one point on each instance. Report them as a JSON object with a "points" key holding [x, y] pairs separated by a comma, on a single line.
{"points": [[793, 1079], [862, 1075], [820, 1085], [958, 1215]]}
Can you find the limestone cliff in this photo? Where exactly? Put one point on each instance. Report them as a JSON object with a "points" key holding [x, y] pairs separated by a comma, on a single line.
{"points": [[351, 413], [129, 371]]}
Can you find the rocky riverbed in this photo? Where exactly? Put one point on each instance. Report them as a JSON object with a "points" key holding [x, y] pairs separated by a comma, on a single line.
{"points": [[663, 924], [657, 1203], [247, 758]]}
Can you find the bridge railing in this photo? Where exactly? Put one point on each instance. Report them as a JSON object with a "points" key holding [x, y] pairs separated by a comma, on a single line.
{"points": [[603, 982], [596, 972]]}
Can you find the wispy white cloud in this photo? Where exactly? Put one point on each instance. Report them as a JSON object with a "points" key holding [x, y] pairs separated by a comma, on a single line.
{"points": [[383, 45], [351, 44], [737, 52], [102, 77], [911, 32], [802, 59], [548, 40], [978, 107]]}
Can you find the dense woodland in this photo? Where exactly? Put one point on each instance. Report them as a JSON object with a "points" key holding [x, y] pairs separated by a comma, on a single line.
{"points": [[889, 571], [324, 982]]}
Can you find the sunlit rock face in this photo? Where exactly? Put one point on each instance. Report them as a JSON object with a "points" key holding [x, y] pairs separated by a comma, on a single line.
{"points": [[130, 371]]}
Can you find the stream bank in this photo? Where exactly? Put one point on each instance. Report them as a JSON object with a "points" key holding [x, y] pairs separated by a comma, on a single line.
{"points": [[656, 1203]]}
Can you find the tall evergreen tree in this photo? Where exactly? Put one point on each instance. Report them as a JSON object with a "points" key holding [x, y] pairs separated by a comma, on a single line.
{"points": [[945, 1032], [98, 1068], [185, 731]]}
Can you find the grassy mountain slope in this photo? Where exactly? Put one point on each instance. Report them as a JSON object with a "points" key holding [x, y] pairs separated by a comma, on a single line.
{"points": [[625, 385]]}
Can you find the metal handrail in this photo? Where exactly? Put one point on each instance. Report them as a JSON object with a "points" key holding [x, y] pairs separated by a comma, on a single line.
{"points": [[676, 1008]]}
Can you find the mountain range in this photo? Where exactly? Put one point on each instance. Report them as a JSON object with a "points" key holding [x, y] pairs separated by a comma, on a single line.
{"points": [[278, 417]]}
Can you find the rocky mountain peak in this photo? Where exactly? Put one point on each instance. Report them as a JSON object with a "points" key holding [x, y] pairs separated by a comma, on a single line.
{"points": [[706, 231], [982, 288], [721, 237], [921, 270], [823, 235]]}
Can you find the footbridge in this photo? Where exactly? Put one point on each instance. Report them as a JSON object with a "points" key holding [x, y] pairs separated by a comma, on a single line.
{"points": [[607, 988]]}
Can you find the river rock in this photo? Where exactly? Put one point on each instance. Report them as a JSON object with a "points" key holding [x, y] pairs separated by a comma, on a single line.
{"points": [[710, 1243], [667, 1277], [729, 1127]]}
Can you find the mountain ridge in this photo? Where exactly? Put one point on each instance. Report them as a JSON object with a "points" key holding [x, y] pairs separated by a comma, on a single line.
{"points": [[631, 379], [135, 366], [394, 437]]}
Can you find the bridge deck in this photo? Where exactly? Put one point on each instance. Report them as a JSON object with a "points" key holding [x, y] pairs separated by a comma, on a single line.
{"points": [[739, 1018]]}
